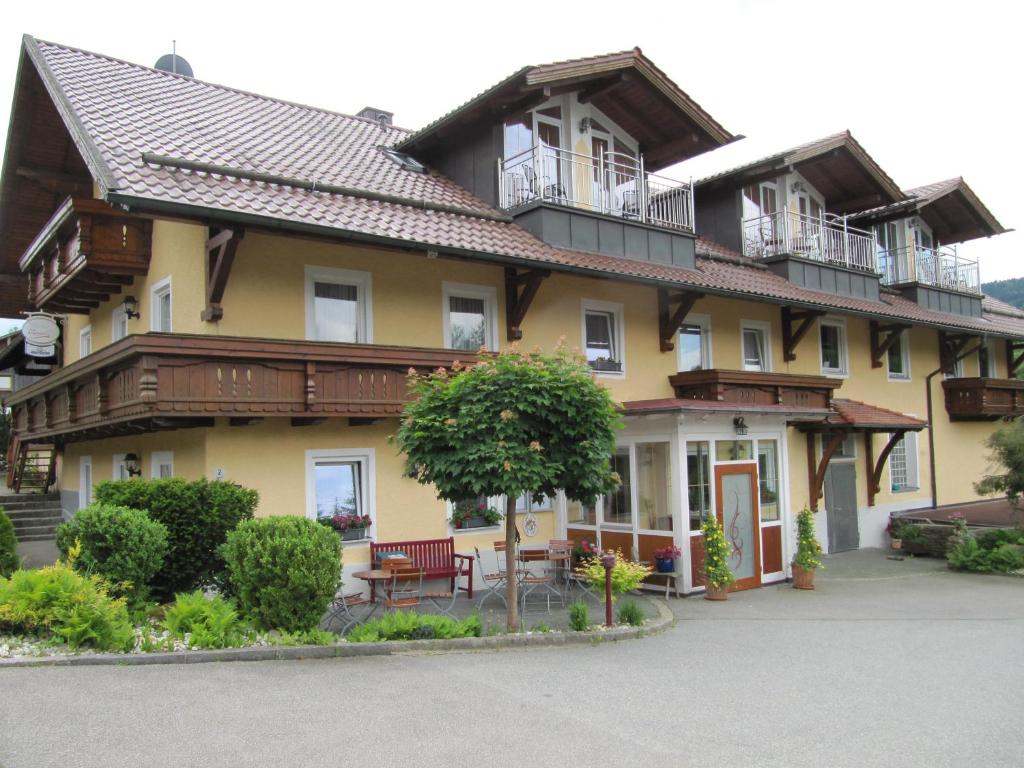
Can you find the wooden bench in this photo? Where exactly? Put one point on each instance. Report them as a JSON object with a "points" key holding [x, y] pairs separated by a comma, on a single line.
{"points": [[437, 558]]}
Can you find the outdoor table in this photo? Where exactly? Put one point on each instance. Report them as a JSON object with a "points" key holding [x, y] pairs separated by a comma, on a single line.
{"points": [[372, 577], [671, 580]]}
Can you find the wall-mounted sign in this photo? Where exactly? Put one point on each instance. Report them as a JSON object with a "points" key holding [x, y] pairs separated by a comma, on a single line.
{"points": [[41, 333]]}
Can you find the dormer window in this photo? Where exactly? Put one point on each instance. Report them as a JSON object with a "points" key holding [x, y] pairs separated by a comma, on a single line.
{"points": [[408, 162]]}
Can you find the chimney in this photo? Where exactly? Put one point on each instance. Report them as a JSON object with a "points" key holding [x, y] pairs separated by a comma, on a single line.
{"points": [[379, 115]]}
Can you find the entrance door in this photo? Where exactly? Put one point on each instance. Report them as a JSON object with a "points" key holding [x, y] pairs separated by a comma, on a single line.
{"points": [[739, 515], [841, 506]]}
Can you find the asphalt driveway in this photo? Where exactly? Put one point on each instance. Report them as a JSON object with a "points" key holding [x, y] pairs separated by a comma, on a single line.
{"points": [[887, 663]]}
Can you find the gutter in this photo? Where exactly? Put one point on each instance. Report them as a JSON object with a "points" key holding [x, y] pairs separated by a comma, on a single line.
{"points": [[931, 430]]}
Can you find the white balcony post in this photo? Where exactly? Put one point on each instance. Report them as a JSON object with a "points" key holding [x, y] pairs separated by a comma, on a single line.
{"points": [[642, 191]]}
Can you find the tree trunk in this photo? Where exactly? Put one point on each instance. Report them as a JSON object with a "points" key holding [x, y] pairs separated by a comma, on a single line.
{"points": [[511, 565]]}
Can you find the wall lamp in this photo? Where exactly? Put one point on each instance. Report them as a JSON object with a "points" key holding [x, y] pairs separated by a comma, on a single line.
{"points": [[585, 125], [132, 464], [739, 425], [131, 307]]}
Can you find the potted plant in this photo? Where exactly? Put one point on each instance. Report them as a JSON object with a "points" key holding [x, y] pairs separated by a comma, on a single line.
{"points": [[665, 558], [717, 574], [808, 551], [606, 364], [893, 529], [351, 527], [474, 514], [583, 551]]}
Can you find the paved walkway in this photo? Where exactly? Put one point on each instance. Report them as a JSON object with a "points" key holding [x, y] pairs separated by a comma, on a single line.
{"points": [[887, 663]]}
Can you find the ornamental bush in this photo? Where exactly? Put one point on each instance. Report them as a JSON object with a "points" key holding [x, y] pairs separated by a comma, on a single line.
{"points": [[198, 514], [808, 550], [415, 626], [627, 575], [717, 552], [120, 544], [9, 560], [61, 604], [284, 570], [579, 618], [209, 622]]}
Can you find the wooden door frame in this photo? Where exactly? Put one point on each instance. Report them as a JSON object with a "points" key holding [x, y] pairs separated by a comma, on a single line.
{"points": [[746, 468]]}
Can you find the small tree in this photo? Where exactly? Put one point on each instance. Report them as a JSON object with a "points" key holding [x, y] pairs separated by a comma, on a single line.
{"points": [[1007, 446], [511, 425]]}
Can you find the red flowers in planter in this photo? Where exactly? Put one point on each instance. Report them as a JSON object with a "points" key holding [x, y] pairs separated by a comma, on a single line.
{"points": [[347, 522], [667, 553]]}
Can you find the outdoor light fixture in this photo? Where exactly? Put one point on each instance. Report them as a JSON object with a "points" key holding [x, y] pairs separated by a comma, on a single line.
{"points": [[131, 307], [585, 125], [739, 425], [132, 464]]}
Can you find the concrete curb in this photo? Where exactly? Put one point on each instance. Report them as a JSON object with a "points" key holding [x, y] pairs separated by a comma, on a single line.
{"points": [[665, 620]]}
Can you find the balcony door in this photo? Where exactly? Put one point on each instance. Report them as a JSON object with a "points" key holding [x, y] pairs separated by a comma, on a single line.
{"points": [[760, 204], [549, 137]]}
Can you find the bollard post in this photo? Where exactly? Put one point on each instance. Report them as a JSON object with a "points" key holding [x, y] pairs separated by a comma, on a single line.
{"points": [[608, 561]]}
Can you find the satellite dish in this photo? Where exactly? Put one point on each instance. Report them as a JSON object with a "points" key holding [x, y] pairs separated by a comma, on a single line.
{"points": [[172, 62]]}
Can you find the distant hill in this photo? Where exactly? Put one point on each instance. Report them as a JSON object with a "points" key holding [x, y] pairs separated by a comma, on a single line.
{"points": [[1011, 291]]}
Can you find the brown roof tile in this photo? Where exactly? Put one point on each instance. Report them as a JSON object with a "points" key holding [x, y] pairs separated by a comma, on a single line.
{"points": [[858, 415]]}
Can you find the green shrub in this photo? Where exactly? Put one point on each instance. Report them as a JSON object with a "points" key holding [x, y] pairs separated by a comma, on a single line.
{"points": [[717, 552], [990, 538], [967, 555], [579, 618], [9, 560], [1007, 557], [631, 613], [211, 622], [415, 626], [314, 636], [808, 550], [285, 570], [198, 515], [57, 602], [627, 575], [994, 549], [122, 545]]}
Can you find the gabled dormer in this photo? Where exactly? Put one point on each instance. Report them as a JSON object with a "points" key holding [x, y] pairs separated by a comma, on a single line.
{"points": [[793, 211], [572, 150]]}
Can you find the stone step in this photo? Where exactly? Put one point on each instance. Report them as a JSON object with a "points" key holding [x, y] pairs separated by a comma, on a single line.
{"points": [[35, 532], [21, 523], [23, 505], [36, 537], [49, 509]]}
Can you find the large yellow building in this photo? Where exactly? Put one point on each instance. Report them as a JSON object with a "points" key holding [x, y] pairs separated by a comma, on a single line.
{"points": [[242, 284]]}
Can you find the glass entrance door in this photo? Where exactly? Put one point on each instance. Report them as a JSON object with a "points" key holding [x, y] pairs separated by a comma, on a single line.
{"points": [[738, 513]]}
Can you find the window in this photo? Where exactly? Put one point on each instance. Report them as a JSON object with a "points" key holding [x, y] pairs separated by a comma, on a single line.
{"points": [[526, 504], [161, 464], [338, 305], [602, 333], [470, 317], [987, 360], [903, 472], [85, 341], [580, 514], [119, 324], [698, 481], [768, 479], [956, 372], [832, 334], [340, 482], [695, 343], [160, 312], [898, 358], [846, 450], [84, 481], [756, 349], [734, 450], [121, 467], [654, 486], [618, 507]]}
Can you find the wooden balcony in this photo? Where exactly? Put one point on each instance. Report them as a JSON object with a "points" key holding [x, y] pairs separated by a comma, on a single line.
{"points": [[977, 399], [755, 388], [85, 253], [170, 381]]}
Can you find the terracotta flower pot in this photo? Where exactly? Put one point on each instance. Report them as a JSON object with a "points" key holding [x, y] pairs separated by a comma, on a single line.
{"points": [[716, 593], [897, 543], [802, 577]]}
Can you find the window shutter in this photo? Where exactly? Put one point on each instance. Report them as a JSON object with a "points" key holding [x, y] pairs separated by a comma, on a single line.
{"points": [[910, 441]]}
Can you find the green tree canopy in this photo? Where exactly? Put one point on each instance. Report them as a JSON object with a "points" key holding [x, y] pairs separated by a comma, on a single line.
{"points": [[513, 424], [1007, 446]]}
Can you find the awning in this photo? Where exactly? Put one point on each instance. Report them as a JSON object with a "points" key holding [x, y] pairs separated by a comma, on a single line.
{"points": [[855, 416]]}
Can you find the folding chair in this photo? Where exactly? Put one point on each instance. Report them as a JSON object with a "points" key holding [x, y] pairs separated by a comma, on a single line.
{"points": [[495, 581], [405, 587], [444, 599], [341, 609]]}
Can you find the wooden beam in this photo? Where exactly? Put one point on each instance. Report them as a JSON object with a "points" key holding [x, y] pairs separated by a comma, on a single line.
{"points": [[53, 181], [883, 338], [602, 87], [1014, 357], [951, 348], [520, 290], [790, 336], [221, 248], [671, 318], [817, 474], [875, 472]]}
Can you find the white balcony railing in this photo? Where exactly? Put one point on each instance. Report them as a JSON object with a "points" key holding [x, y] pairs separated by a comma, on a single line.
{"points": [[613, 184], [940, 267], [828, 239]]}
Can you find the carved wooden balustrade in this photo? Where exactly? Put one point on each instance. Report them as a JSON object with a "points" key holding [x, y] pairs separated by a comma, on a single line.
{"points": [[976, 399], [167, 381], [755, 388]]}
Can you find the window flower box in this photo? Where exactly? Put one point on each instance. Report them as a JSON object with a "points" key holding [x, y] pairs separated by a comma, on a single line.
{"points": [[605, 365], [474, 513], [349, 527]]}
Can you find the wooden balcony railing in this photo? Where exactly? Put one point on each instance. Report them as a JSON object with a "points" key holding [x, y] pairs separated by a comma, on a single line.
{"points": [[755, 388], [169, 381], [976, 399], [87, 252]]}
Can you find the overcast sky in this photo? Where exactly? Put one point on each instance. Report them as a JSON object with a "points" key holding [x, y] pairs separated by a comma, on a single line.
{"points": [[931, 89]]}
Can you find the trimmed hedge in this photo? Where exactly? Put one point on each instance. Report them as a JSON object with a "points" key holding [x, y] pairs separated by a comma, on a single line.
{"points": [[9, 560], [284, 570], [198, 514], [122, 545]]}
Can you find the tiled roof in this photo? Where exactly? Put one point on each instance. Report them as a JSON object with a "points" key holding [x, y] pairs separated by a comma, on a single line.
{"points": [[122, 110], [858, 415], [919, 197]]}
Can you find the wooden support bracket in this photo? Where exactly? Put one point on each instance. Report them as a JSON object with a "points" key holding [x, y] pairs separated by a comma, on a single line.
{"points": [[520, 290], [883, 337], [816, 470], [670, 317], [791, 336], [220, 255], [875, 471], [1014, 357], [951, 348]]}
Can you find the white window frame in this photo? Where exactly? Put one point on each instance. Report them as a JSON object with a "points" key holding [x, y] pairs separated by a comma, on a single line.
{"points": [[905, 353], [85, 342], [765, 329], [156, 293], [118, 316], [489, 296], [619, 331], [156, 458], [367, 478], [839, 323], [989, 345], [910, 451], [117, 463], [84, 488], [703, 322], [363, 281]]}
